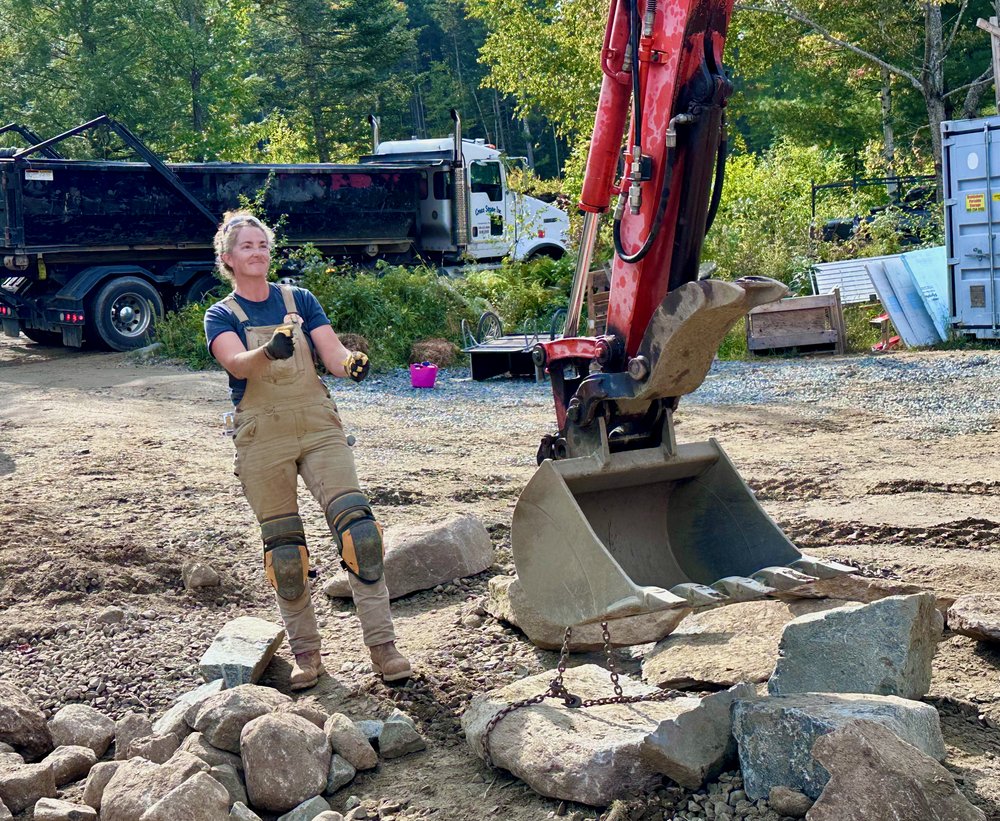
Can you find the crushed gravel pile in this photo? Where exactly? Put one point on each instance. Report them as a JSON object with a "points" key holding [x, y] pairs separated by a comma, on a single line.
{"points": [[926, 396]]}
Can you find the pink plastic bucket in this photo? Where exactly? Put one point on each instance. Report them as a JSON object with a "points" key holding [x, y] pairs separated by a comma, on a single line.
{"points": [[422, 375]]}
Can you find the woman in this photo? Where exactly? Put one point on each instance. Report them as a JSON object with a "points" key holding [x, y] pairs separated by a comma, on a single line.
{"points": [[287, 426]]}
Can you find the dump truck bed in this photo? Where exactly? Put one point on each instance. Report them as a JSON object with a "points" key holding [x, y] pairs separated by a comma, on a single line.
{"points": [[50, 205]]}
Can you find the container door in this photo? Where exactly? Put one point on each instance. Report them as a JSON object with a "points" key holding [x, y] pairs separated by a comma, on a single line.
{"points": [[972, 172], [490, 227]]}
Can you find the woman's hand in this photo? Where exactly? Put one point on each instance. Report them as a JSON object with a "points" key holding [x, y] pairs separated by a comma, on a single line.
{"points": [[356, 366], [281, 345]]}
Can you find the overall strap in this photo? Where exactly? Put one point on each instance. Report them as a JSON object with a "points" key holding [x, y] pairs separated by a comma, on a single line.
{"points": [[288, 295], [234, 306]]}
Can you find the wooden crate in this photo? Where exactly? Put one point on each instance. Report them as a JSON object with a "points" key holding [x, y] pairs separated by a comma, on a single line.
{"points": [[811, 324]]}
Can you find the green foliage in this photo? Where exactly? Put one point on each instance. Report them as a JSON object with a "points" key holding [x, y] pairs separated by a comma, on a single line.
{"points": [[522, 294], [182, 333], [762, 227], [861, 334], [392, 307], [734, 344]]}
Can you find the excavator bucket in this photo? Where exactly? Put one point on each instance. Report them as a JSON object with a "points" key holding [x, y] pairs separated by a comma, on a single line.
{"points": [[602, 537]]}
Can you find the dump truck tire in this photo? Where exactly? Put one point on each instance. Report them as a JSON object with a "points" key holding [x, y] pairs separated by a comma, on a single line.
{"points": [[123, 313]]}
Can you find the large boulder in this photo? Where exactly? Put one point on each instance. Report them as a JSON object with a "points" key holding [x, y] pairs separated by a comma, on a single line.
{"points": [[156, 748], [418, 557], [229, 778], [54, 809], [21, 785], [280, 783], [508, 602], [775, 734], [884, 648], [70, 763], [876, 776], [138, 784], [174, 720], [589, 756], [22, 724], [726, 645], [977, 616], [697, 744], [221, 717], [213, 756], [347, 740], [241, 651], [80, 725], [200, 797], [97, 779], [130, 727]]}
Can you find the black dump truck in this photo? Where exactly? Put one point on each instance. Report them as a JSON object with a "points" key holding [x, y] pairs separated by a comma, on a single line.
{"points": [[96, 250]]}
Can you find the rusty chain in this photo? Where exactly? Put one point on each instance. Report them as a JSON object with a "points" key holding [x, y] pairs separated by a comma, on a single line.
{"points": [[557, 689]]}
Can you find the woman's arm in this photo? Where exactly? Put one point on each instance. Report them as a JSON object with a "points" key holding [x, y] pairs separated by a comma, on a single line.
{"points": [[330, 349], [231, 353]]}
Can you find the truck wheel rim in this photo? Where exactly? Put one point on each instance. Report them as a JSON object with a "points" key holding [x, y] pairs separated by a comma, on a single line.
{"points": [[130, 315]]}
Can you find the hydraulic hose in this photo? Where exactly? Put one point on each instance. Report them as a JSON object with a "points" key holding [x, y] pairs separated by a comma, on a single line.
{"points": [[720, 174], [633, 33], [661, 208]]}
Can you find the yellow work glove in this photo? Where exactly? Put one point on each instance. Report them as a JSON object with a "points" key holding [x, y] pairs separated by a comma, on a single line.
{"points": [[356, 366]]}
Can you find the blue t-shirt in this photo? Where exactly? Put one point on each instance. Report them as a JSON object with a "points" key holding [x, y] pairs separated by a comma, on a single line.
{"points": [[219, 319]]}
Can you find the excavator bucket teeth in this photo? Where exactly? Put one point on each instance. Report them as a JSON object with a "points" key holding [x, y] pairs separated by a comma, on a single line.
{"points": [[614, 534], [820, 568], [782, 578]]}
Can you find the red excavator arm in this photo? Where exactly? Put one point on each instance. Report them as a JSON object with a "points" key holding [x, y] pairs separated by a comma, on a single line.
{"points": [[619, 518]]}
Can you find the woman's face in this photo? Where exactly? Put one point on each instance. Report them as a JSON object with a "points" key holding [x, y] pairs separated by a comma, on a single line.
{"points": [[251, 254]]}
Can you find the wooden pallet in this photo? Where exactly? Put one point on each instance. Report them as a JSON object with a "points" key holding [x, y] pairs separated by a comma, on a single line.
{"points": [[808, 324]]}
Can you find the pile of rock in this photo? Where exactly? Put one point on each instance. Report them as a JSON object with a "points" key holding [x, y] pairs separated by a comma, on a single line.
{"points": [[840, 720], [211, 757]]}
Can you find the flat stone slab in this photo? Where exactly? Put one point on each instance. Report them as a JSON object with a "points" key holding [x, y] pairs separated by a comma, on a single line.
{"points": [[775, 734], [507, 601], [977, 616], [419, 557], [884, 648], [590, 756], [875, 776], [241, 651], [173, 721], [726, 645]]}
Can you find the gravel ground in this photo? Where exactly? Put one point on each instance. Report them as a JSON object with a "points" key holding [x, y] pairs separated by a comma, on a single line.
{"points": [[111, 475], [940, 395]]}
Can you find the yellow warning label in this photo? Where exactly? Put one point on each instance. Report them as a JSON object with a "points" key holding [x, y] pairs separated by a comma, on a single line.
{"points": [[975, 202], [996, 196]]}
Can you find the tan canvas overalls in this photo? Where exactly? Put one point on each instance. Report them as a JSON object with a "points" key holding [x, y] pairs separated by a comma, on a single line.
{"points": [[288, 426]]}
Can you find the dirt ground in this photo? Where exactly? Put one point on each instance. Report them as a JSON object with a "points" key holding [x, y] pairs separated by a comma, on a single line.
{"points": [[113, 472]]}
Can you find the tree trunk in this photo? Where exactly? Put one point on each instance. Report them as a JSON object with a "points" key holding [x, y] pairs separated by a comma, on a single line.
{"points": [[888, 137], [529, 149], [932, 81]]}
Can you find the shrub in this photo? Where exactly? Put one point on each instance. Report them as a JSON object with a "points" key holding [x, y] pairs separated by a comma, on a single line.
{"points": [[522, 294], [183, 336], [391, 307]]}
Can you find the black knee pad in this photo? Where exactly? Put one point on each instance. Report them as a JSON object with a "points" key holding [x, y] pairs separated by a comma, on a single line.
{"points": [[286, 559], [358, 535]]}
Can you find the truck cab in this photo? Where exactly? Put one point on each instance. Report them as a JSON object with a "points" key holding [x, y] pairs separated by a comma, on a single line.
{"points": [[500, 222]]}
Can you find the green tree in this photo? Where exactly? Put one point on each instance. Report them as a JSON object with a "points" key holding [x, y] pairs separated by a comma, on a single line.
{"points": [[931, 47], [328, 65]]}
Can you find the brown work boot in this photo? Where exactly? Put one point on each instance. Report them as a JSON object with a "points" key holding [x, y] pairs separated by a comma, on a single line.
{"points": [[389, 663], [306, 670]]}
